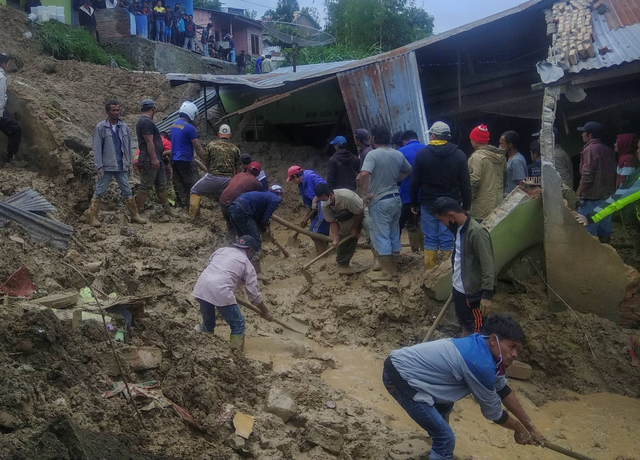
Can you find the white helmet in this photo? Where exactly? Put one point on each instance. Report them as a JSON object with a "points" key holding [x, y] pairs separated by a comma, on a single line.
{"points": [[224, 131], [190, 110]]}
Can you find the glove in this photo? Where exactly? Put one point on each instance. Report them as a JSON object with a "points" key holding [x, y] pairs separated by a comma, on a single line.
{"points": [[100, 172]]}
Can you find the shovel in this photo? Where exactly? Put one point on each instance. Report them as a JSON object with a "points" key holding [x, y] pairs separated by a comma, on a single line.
{"points": [[293, 241], [306, 274], [432, 329], [300, 327], [567, 452]]}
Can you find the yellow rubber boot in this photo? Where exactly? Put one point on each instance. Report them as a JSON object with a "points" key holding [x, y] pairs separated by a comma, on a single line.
{"points": [[446, 255], [133, 210], [430, 259], [94, 210], [194, 205]]}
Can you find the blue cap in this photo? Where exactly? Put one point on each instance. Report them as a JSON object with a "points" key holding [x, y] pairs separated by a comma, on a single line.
{"points": [[246, 242], [339, 140]]}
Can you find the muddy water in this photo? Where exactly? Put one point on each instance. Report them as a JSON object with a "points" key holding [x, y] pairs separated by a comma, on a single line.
{"points": [[603, 426]]}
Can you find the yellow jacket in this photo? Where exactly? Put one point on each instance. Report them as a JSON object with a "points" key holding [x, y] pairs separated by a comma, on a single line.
{"points": [[487, 169]]}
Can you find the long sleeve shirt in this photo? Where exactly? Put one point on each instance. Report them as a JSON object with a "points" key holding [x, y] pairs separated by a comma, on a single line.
{"points": [[447, 370], [598, 169], [261, 205], [228, 269]]}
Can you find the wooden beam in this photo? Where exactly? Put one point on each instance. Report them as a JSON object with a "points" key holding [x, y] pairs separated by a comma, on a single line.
{"points": [[275, 98]]}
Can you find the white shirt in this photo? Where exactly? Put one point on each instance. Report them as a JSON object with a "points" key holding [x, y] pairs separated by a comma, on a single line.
{"points": [[3, 91], [456, 277], [228, 269], [111, 3]]}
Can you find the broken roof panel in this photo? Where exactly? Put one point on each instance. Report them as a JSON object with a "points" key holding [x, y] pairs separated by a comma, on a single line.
{"points": [[622, 13], [30, 200], [623, 44], [40, 228]]}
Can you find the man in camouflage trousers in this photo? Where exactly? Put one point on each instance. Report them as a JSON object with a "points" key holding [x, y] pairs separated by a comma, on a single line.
{"points": [[223, 163]]}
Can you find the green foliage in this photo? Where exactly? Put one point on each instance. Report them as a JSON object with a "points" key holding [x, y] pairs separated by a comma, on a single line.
{"points": [[64, 42], [283, 12], [251, 14], [332, 53], [388, 24], [208, 4], [313, 14]]}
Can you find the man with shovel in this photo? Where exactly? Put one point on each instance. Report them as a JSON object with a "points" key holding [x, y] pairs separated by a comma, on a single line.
{"points": [[228, 269], [344, 210], [428, 378]]}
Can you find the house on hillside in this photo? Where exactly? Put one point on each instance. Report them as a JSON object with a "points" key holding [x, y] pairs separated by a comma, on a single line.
{"points": [[247, 33]]}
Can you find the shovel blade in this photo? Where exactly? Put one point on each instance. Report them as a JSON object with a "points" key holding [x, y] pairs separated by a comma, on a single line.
{"points": [[293, 242], [307, 276]]}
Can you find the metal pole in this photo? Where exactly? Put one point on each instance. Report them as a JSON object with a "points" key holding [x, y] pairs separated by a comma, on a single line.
{"points": [[206, 116], [294, 58]]}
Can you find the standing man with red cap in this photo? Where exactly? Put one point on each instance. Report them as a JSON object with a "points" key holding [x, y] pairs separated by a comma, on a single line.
{"points": [[487, 169], [306, 180]]}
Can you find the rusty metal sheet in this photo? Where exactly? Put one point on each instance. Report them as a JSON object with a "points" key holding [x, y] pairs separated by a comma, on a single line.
{"points": [[388, 93]]}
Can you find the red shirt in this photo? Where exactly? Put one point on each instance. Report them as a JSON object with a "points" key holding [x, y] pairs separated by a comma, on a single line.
{"points": [[598, 169], [239, 184]]}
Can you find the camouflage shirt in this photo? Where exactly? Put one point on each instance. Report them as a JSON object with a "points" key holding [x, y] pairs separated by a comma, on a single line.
{"points": [[224, 158]]}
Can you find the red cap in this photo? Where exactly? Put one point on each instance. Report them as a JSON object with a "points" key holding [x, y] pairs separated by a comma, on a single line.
{"points": [[292, 171], [254, 166], [480, 134]]}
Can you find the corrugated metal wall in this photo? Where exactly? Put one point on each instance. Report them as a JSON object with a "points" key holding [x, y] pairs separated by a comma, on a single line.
{"points": [[387, 93]]}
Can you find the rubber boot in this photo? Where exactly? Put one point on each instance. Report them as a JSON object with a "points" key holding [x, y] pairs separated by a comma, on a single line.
{"points": [[446, 255], [416, 241], [133, 210], [321, 246], [386, 272], [164, 201], [376, 261], [237, 341], [141, 199], [394, 267], [94, 209], [430, 259], [194, 205], [258, 268], [346, 270]]}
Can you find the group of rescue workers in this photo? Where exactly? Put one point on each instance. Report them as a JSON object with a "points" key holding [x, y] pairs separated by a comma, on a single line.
{"points": [[432, 190]]}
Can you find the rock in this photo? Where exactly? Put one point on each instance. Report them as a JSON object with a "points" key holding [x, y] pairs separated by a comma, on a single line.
{"points": [[519, 370], [142, 358], [326, 438], [8, 421], [278, 403], [412, 448], [127, 231], [63, 300], [73, 256]]}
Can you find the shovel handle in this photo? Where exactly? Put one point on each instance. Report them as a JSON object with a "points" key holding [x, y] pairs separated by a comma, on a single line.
{"points": [[567, 452], [432, 329], [325, 253], [279, 246], [255, 310]]}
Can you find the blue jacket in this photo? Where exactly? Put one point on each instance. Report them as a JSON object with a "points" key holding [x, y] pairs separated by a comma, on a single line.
{"points": [[261, 205], [409, 151], [307, 189]]}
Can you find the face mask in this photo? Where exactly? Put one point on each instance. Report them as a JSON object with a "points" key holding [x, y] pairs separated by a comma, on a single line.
{"points": [[500, 369], [453, 227]]}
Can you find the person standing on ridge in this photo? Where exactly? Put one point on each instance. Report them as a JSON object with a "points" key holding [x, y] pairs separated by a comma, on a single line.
{"points": [[487, 170]]}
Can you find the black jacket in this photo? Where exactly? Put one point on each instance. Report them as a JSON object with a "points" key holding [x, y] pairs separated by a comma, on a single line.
{"points": [[440, 170], [344, 166]]}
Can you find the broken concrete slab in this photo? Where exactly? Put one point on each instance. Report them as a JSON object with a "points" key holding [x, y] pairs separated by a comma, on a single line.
{"points": [[326, 438], [75, 317], [515, 225], [280, 404], [142, 358], [62, 300]]}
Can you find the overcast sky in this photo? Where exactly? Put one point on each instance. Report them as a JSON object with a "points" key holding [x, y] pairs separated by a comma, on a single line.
{"points": [[449, 14]]}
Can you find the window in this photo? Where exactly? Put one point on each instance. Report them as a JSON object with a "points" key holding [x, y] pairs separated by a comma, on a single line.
{"points": [[255, 44]]}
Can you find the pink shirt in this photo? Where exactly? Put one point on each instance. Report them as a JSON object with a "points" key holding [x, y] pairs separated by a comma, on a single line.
{"points": [[228, 269]]}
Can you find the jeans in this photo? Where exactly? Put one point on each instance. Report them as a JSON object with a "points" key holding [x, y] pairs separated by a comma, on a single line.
{"points": [[436, 235], [12, 130], [122, 178], [205, 49], [210, 185], [231, 314], [244, 223], [160, 30], [232, 55], [430, 418], [189, 43], [167, 31], [602, 228], [384, 227]]}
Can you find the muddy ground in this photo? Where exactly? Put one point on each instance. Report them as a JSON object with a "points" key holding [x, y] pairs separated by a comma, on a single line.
{"points": [[583, 391]]}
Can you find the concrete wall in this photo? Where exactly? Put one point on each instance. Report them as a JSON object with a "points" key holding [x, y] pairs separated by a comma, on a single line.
{"points": [[113, 23], [165, 58]]}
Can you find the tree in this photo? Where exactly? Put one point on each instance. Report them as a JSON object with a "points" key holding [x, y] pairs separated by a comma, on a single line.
{"points": [[388, 24], [207, 4], [313, 14], [285, 9], [251, 14]]}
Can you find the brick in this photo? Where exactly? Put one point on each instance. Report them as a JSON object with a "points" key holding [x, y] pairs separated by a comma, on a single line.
{"points": [[573, 57]]}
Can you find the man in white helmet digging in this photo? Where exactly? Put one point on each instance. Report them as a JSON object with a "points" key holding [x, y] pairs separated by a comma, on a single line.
{"points": [[223, 161], [184, 140]]}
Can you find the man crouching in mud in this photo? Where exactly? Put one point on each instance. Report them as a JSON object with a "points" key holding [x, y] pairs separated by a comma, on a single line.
{"points": [[428, 378]]}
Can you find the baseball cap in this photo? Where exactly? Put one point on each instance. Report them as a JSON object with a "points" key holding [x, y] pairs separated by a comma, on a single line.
{"points": [[591, 127], [556, 133], [246, 242], [439, 129], [363, 135], [3, 58], [396, 138], [254, 166], [224, 131], [278, 190], [147, 104], [245, 158], [339, 140], [293, 170]]}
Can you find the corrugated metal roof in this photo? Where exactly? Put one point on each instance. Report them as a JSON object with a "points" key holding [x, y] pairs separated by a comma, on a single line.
{"points": [[385, 93], [40, 228], [30, 200], [623, 42], [622, 13]]}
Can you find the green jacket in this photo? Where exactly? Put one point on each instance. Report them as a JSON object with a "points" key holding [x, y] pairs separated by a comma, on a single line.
{"points": [[478, 267], [627, 193]]}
